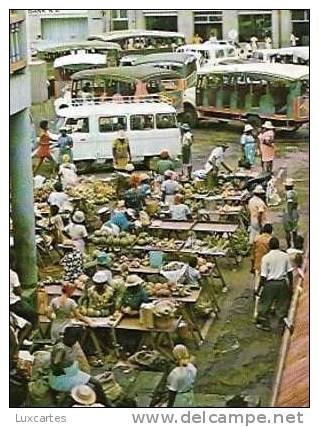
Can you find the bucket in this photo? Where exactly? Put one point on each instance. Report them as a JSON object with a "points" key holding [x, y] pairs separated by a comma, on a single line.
{"points": [[156, 259]]}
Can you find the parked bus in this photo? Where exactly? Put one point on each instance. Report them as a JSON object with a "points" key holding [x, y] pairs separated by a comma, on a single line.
{"points": [[137, 81], [210, 53], [66, 66], [142, 41], [149, 124], [255, 92], [286, 55], [52, 51]]}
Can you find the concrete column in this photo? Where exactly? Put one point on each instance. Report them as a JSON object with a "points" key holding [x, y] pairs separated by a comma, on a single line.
{"points": [[21, 180], [185, 24], [139, 20], [230, 22], [286, 27], [275, 26]]}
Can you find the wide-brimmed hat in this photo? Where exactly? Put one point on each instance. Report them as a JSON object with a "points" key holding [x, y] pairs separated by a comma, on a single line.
{"points": [[168, 173], [289, 182], [133, 280], [248, 128], [83, 394], [102, 258], [103, 211], [185, 126], [268, 125], [78, 217], [62, 129], [120, 204], [100, 277], [258, 189]]}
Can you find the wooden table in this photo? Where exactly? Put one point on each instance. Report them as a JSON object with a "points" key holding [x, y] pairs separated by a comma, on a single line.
{"points": [[208, 215], [171, 225], [211, 227]]}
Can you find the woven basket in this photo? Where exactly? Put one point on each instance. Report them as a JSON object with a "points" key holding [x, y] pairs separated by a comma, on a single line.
{"points": [[163, 322]]}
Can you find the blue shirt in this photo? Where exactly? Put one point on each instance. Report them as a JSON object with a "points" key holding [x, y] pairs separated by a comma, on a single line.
{"points": [[119, 219], [65, 142], [247, 139]]}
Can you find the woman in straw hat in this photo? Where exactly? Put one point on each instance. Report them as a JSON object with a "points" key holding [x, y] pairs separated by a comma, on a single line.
{"points": [[180, 381], [266, 146], [248, 145], [258, 212], [76, 230], [134, 295], [121, 151]]}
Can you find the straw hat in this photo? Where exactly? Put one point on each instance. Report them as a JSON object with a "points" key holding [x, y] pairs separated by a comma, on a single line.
{"points": [[78, 217], [103, 211], [129, 167], [100, 277], [268, 125], [289, 182], [248, 128], [168, 173], [258, 190], [133, 280], [120, 204], [63, 129], [83, 394]]}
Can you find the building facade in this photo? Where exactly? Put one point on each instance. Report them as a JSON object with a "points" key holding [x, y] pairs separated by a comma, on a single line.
{"points": [[278, 24], [21, 177], [59, 25]]}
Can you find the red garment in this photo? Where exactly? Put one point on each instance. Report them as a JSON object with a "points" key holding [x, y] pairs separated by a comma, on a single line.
{"points": [[44, 148]]}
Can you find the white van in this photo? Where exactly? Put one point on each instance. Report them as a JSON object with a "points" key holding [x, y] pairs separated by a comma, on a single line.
{"points": [[150, 127], [210, 53]]}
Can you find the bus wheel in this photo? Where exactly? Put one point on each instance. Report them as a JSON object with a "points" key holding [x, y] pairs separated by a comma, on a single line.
{"points": [[255, 121], [190, 116]]}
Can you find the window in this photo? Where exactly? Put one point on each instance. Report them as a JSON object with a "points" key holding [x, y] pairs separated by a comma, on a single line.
{"points": [[208, 16], [78, 125], [166, 121], [169, 85], [142, 122], [119, 19], [161, 23], [112, 124], [257, 25], [231, 52], [300, 15], [219, 54]]}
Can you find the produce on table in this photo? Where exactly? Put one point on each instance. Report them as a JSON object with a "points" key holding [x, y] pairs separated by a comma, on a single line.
{"points": [[41, 194], [103, 238], [96, 192], [239, 242]]}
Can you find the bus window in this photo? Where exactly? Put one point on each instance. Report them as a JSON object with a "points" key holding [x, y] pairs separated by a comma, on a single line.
{"points": [[142, 122], [231, 52], [80, 125], [219, 53], [166, 121], [170, 85], [112, 124]]}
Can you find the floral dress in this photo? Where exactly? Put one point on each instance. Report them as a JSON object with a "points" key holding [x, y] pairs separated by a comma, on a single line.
{"points": [[73, 265]]}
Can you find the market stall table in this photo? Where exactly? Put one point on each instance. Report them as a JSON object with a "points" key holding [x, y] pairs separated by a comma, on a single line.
{"points": [[212, 227], [156, 334]]}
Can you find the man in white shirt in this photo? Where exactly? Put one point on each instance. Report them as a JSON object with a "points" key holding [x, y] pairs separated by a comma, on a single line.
{"points": [[275, 283], [58, 197], [213, 164]]}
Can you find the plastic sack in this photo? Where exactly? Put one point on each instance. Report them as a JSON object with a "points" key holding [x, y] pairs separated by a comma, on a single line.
{"points": [[174, 274]]}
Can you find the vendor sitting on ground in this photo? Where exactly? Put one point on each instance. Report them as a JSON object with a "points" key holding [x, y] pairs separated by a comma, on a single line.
{"points": [[134, 296], [133, 197], [165, 163], [179, 211], [67, 172], [145, 186], [100, 295], [170, 187], [58, 197]]}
